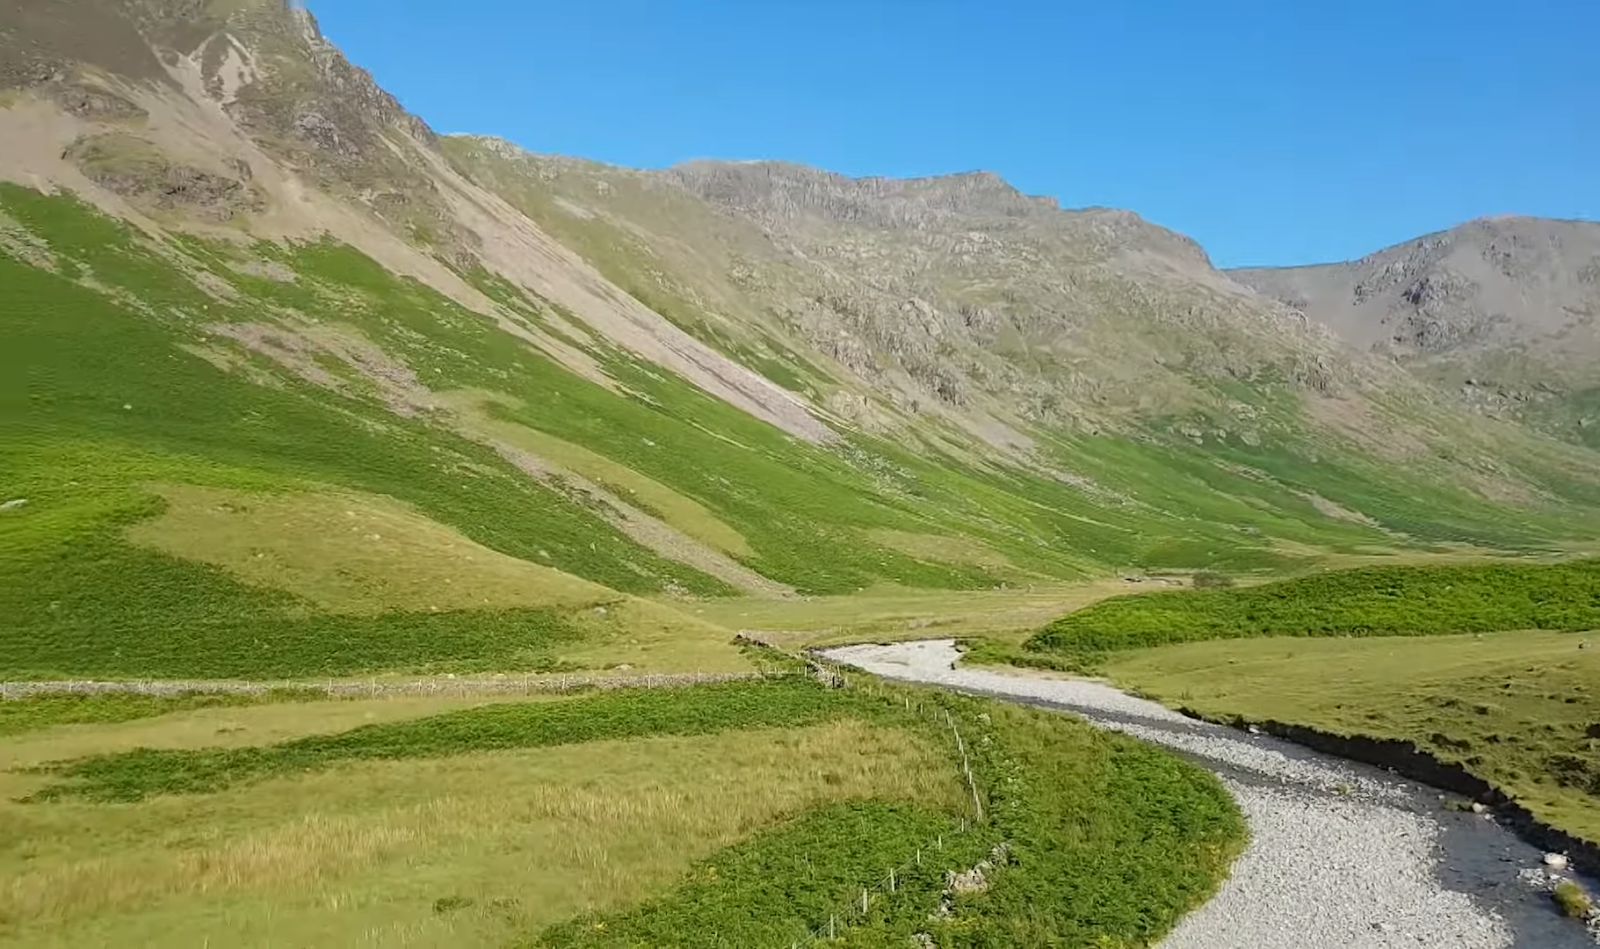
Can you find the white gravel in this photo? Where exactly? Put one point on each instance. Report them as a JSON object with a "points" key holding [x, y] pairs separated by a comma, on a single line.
{"points": [[1336, 860]]}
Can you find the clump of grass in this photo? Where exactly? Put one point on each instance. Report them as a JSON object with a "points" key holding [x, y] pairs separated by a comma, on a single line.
{"points": [[623, 713], [1572, 900], [1211, 580], [449, 904]]}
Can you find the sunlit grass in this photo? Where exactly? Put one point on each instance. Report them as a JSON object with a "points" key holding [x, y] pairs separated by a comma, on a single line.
{"points": [[361, 854], [1518, 709], [350, 553], [1418, 600]]}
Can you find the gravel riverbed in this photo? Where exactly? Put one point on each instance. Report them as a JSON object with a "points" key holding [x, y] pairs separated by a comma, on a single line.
{"points": [[1341, 856]]}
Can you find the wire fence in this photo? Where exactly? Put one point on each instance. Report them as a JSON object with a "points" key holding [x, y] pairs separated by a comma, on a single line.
{"points": [[848, 913]]}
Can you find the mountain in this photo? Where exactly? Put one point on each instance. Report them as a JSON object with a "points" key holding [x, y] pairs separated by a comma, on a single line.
{"points": [[248, 297], [1501, 310]]}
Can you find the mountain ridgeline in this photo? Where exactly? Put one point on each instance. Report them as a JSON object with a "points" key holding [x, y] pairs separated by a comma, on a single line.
{"points": [[249, 295]]}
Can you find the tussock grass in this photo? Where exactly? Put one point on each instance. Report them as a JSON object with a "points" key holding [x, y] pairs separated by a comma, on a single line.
{"points": [[1573, 900]]}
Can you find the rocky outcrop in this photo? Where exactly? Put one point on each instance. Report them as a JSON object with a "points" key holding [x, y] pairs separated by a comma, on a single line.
{"points": [[135, 169]]}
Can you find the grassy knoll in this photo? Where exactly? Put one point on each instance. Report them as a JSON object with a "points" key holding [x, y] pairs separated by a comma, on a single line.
{"points": [[1371, 601], [1519, 709]]}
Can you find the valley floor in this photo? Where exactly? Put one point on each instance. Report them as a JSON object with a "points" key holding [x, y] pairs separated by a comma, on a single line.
{"points": [[1340, 855]]}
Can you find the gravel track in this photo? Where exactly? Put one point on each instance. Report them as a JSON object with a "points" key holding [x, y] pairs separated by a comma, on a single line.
{"points": [[1341, 856]]}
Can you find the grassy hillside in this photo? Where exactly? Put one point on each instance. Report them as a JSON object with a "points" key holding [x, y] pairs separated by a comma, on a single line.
{"points": [[191, 416], [639, 813]]}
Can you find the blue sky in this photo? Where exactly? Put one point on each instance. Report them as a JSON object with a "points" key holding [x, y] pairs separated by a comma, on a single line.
{"points": [[1272, 131]]}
